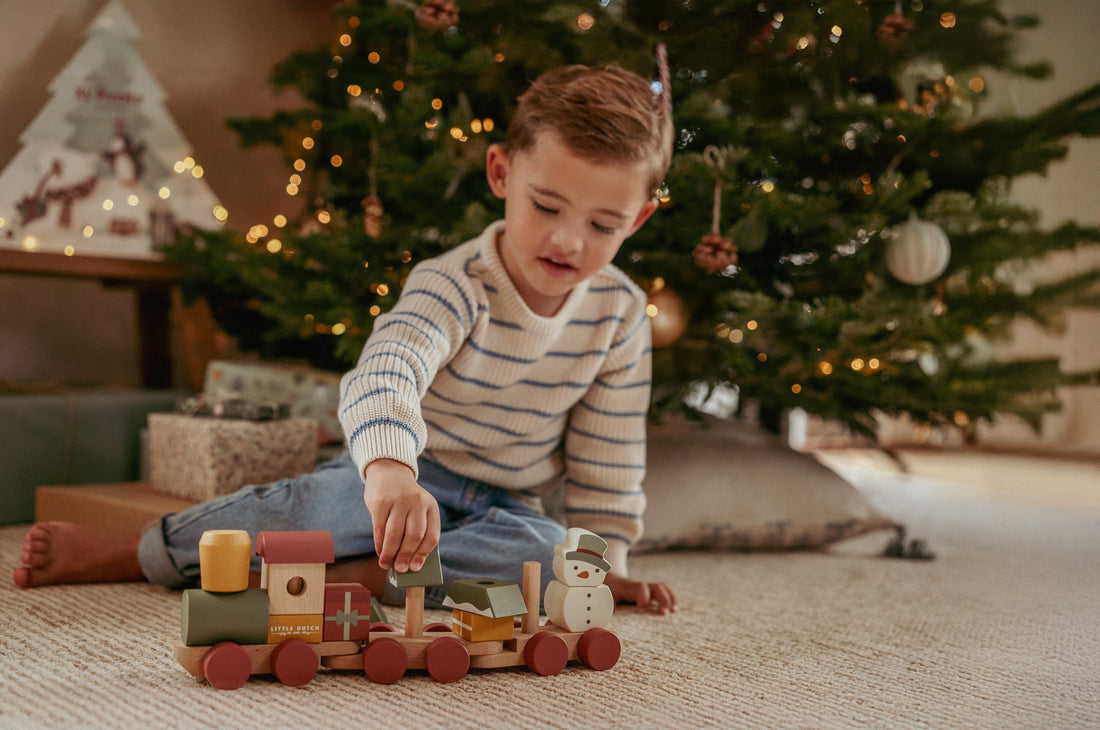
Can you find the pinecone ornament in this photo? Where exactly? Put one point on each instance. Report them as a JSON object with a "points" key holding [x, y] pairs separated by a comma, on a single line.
{"points": [[436, 15], [894, 30], [714, 253], [372, 216]]}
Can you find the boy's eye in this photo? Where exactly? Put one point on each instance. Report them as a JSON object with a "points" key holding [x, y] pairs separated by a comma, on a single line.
{"points": [[603, 229], [543, 209]]}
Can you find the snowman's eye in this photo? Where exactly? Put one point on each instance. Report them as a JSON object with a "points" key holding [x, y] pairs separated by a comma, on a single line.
{"points": [[576, 568], [597, 570]]}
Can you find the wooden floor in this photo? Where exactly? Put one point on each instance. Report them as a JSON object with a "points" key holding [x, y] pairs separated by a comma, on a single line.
{"points": [[1067, 480]]}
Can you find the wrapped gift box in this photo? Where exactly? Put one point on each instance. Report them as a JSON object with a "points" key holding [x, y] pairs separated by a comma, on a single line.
{"points": [[310, 393], [198, 457], [347, 612]]}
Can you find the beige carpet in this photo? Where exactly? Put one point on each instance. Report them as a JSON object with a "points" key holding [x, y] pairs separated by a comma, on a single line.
{"points": [[1002, 630]]}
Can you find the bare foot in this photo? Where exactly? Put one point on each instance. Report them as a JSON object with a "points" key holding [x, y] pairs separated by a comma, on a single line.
{"points": [[64, 552]]}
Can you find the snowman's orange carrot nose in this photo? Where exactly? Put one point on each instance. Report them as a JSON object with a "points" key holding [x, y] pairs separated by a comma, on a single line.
{"points": [[583, 574]]}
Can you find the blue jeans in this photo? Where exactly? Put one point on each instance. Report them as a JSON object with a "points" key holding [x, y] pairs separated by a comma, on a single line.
{"points": [[486, 531]]}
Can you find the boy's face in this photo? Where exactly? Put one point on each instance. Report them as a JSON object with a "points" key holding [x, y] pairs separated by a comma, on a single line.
{"points": [[564, 217]]}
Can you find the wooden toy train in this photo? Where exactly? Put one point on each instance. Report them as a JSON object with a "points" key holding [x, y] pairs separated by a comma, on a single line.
{"points": [[295, 622]]}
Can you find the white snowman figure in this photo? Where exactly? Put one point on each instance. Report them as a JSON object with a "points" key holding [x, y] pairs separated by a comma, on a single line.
{"points": [[577, 600]]}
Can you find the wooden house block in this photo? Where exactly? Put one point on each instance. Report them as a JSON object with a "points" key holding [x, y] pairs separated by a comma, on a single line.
{"points": [[472, 627], [484, 608], [207, 618], [224, 557], [293, 570], [347, 612], [430, 574], [307, 627]]}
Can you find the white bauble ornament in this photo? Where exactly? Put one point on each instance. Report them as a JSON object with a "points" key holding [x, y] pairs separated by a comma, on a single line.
{"points": [[917, 251]]}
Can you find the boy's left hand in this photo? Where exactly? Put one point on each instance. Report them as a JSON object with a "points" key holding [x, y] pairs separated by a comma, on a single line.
{"points": [[657, 597]]}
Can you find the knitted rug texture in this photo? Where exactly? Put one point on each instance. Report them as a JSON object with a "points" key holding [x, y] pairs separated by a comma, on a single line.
{"points": [[1001, 630]]}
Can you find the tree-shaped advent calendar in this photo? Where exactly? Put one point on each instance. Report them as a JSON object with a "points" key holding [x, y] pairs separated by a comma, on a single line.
{"points": [[103, 169]]}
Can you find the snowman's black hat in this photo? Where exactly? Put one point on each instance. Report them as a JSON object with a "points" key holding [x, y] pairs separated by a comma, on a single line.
{"points": [[590, 549]]}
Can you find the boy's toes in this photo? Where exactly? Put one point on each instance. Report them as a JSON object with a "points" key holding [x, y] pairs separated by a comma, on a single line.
{"points": [[22, 577]]}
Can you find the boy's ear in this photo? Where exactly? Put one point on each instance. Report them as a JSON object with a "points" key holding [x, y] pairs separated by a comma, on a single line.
{"points": [[496, 169], [643, 215]]}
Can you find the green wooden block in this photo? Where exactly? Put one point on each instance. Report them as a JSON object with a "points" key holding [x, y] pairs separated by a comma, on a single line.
{"points": [[377, 615], [430, 574], [486, 597], [207, 618]]}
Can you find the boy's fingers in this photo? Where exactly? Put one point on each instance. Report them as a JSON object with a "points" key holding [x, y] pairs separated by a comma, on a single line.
{"points": [[642, 597], [665, 599], [416, 529], [428, 543]]}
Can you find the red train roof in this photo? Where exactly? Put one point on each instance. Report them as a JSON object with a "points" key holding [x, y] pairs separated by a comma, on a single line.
{"points": [[295, 547]]}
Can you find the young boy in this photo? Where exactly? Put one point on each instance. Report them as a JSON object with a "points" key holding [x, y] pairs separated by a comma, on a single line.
{"points": [[512, 361]]}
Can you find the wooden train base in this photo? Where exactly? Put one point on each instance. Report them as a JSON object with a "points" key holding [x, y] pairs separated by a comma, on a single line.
{"points": [[387, 655]]}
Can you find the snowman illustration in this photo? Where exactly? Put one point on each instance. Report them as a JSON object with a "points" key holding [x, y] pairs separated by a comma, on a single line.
{"points": [[577, 599]]}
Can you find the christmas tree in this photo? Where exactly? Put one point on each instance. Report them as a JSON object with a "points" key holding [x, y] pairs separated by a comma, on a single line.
{"points": [[837, 234]]}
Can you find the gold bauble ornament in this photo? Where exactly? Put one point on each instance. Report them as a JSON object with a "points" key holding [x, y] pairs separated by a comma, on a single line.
{"points": [[668, 316]]}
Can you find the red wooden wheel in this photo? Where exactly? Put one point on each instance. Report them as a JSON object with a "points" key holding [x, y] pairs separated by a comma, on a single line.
{"points": [[546, 654], [437, 628], [378, 626], [384, 661], [294, 663], [226, 665], [447, 659], [599, 649]]}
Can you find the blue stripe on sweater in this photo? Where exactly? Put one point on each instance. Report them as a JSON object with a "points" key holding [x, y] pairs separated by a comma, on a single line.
{"points": [[499, 406], [474, 445], [399, 318], [606, 439], [533, 383], [603, 512], [604, 490], [491, 426], [610, 414], [458, 289], [607, 464], [387, 373], [364, 396], [531, 361], [432, 295], [387, 421]]}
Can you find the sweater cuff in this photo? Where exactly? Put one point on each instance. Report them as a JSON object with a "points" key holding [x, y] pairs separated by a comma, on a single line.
{"points": [[616, 555]]}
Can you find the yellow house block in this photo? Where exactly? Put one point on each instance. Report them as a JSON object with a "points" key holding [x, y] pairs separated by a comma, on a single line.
{"points": [[307, 627], [473, 627]]}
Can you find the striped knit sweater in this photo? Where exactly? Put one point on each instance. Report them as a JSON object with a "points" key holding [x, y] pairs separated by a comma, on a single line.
{"points": [[461, 371]]}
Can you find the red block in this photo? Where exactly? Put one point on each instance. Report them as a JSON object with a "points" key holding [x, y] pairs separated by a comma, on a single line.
{"points": [[347, 612]]}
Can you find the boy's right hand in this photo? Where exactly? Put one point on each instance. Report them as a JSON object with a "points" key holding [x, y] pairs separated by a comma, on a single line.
{"points": [[405, 516]]}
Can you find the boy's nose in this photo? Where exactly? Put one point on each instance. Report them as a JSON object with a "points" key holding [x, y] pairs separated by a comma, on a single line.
{"points": [[566, 240]]}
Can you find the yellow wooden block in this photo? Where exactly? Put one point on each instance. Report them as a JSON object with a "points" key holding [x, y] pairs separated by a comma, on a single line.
{"points": [[224, 557], [307, 627], [474, 627]]}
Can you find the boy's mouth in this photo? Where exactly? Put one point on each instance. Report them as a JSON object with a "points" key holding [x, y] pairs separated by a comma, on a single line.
{"points": [[555, 267]]}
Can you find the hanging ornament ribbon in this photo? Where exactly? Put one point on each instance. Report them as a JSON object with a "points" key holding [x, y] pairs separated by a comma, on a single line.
{"points": [[665, 78], [715, 252]]}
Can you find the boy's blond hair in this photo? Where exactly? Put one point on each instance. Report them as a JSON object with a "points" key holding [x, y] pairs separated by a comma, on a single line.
{"points": [[604, 114]]}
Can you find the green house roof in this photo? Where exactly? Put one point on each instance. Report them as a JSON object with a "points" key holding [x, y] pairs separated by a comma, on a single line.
{"points": [[486, 597]]}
